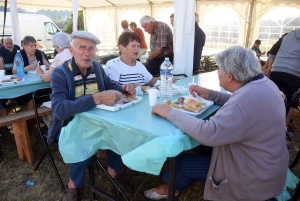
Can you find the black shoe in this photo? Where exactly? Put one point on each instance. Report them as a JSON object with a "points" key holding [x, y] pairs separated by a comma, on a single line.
{"points": [[72, 194]]}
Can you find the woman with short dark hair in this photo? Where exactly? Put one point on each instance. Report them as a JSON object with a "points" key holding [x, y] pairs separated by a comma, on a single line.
{"points": [[125, 68]]}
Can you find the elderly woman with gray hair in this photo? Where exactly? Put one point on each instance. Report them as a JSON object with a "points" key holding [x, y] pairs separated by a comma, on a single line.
{"points": [[249, 160], [61, 43]]}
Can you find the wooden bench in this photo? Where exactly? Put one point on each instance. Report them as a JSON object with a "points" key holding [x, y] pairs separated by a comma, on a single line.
{"points": [[19, 125]]}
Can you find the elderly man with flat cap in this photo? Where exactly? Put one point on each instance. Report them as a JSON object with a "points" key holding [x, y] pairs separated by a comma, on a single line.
{"points": [[78, 85]]}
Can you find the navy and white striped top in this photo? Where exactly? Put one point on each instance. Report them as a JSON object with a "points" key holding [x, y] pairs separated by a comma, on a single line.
{"points": [[120, 72]]}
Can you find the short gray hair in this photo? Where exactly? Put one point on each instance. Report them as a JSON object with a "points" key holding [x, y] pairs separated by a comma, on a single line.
{"points": [[147, 19], [61, 40], [240, 62]]}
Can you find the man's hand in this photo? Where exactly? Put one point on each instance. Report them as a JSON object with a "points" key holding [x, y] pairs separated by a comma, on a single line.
{"points": [[161, 109], [129, 88], [109, 97], [200, 91]]}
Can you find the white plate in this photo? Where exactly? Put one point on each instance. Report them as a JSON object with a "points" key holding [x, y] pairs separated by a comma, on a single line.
{"points": [[12, 81], [118, 106], [205, 104]]}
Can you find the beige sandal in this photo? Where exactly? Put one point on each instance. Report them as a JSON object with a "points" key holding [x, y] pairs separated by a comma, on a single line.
{"points": [[151, 194]]}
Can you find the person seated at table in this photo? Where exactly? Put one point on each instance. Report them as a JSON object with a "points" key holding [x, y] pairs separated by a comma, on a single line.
{"points": [[70, 96], [8, 52], [61, 43], [125, 68], [249, 159], [32, 57]]}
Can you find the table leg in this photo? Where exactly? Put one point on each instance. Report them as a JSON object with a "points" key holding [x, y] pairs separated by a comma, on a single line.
{"points": [[22, 141], [172, 178]]}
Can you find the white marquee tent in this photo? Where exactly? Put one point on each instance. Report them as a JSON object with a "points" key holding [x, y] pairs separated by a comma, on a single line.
{"points": [[225, 22]]}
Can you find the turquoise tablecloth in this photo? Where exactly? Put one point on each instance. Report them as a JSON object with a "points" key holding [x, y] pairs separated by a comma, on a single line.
{"points": [[31, 83], [143, 140]]}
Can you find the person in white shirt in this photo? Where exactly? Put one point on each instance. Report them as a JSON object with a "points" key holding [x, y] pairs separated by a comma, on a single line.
{"points": [[61, 43], [125, 69]]}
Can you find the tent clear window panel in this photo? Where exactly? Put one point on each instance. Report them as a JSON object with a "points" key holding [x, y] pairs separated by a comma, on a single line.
{"points": [[275, 23], [221, 32]]}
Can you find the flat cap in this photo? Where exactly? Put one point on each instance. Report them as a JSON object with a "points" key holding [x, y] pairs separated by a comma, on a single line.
{"points": [[86, 35]]}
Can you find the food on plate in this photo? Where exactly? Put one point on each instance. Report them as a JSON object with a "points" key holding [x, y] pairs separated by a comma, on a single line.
{"points": [[129, 96], [19, 79], [146, 87], [14, 77], [190, 104], [3, 81], [188, 108], [172, 105], [180, 101]]}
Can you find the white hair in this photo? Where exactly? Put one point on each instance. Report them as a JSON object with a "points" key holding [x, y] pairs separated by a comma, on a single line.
{"points": [[147, 19], [61, 40], [240, 62]]}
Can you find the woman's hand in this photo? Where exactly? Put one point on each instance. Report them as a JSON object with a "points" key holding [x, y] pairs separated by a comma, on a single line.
{"points": [[162, 110], [200, 91], [32, 67], [39, 71]]}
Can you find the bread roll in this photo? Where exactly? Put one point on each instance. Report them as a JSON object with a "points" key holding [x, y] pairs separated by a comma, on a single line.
{"points": [[193, 104], [188, 108], [168, 102]]}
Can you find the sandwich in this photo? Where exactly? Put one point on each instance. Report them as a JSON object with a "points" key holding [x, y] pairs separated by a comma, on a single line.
{"points": [[191, 105], [172, 105]]}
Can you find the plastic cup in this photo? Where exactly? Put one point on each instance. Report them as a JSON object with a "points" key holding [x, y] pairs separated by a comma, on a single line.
{"points": [[2, 73], [43, 67], [152, 96], [189, 84]]}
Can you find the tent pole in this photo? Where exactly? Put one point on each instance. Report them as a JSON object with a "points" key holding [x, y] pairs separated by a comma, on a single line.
{"points": [[116, 25], [249, 23], [150, 3], [84, 19]]}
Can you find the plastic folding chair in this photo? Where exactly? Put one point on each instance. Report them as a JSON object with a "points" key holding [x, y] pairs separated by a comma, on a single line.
{"points": [[40, 96]]}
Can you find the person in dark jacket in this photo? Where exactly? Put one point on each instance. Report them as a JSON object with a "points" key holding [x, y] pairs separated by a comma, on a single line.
{"points": [[199, 42], [78, 85], [8, 51]]}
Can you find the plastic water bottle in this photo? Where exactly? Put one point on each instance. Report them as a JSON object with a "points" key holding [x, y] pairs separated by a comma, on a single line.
{"points": [[19, 65], [166, 80]]}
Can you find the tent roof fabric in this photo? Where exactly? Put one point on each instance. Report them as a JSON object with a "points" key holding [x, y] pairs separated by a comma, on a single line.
{"points": [[67, 4]]}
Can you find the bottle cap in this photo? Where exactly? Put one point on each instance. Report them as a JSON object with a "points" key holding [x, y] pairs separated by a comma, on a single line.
{"points": [[18, 50], [167, 58]]}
